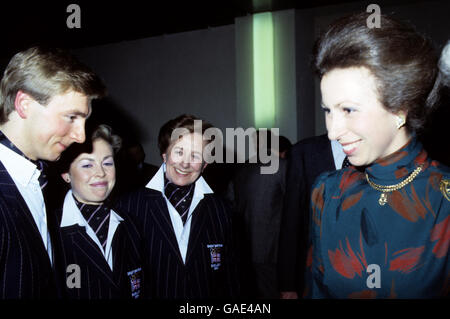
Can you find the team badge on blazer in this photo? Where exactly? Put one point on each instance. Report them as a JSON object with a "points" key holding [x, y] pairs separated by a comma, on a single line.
{"points": [[215, 252], [135, 282]]}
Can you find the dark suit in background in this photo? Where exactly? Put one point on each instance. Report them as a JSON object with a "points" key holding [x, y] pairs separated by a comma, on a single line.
{"points": [[132, 170], [205, 274], [25, 268], [309, 158], [257, 199]]}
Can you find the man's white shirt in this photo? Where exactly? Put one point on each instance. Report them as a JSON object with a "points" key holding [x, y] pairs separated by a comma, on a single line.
{"points": [[25, 175]]}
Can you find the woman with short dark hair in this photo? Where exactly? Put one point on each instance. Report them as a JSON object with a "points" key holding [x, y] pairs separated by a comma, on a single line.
{"points": [[186, 228], [380, 228], [102, 252]]}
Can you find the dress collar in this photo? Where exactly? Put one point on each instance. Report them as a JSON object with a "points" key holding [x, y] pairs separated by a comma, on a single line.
{"points": [[396, 166]]}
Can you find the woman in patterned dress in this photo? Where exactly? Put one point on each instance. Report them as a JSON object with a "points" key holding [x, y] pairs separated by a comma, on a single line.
{"points": [[381, 227]]}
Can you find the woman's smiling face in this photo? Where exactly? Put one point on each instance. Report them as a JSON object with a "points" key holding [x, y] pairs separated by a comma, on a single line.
{"points": [[356, 118], [184, 159], [92, 176]]}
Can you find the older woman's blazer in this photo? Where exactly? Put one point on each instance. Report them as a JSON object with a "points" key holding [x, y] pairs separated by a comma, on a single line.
{"points": [[210, 270]]}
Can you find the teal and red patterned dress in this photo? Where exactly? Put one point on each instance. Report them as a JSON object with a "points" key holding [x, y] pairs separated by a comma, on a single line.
{"points": [[362, 249]]}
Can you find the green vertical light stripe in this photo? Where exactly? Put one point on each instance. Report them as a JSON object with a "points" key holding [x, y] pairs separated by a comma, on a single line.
{"points": [[263, 70]]}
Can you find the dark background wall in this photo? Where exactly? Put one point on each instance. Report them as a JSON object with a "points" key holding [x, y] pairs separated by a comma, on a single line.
{"points": [[430, 18], [185, 61], [156, 79]]}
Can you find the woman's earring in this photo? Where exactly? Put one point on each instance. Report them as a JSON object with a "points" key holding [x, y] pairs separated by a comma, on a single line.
{"points": [[400, 121]]}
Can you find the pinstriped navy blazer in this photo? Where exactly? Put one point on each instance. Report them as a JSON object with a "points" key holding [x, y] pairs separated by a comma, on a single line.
{"points": [[205, 274], [25, 268], [97, 280]]}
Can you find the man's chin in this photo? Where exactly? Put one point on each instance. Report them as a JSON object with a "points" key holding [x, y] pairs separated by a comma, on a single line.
{"points": [[52, 157]]}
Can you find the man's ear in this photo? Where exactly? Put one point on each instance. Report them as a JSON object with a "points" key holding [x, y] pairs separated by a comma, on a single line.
{"points": [[66, 177], [22, 103], [164, 157]]}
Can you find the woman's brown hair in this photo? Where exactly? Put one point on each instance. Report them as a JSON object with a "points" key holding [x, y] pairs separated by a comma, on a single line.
{"points": [[403, 62]]}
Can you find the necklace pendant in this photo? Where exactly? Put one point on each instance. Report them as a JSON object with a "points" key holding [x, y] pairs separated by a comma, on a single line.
{"points": [[383, 199]]}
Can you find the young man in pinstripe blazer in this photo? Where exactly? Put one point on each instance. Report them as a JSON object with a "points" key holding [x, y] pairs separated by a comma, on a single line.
{"points": [[186, 228], [45, 97]]}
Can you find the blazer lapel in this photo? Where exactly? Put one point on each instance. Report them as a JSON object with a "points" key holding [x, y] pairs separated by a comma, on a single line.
{"points": [[118, 249], [18, 206], [87, 247], [199, 218], [161, 217]]}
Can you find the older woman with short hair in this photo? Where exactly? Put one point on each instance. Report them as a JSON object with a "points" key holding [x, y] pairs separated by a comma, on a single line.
{"points": [[380, 228], [186, 228]]}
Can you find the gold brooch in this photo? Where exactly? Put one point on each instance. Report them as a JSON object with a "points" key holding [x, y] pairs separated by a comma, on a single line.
{"points": [[390, 188], [445, 188]]}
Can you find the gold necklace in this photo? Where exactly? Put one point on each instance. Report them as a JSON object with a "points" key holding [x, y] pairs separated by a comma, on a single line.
{"points": [[390, 188]]}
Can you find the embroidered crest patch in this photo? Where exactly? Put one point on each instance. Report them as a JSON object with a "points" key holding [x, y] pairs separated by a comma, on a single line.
{"points": [[135, 282], [215, 251]]}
